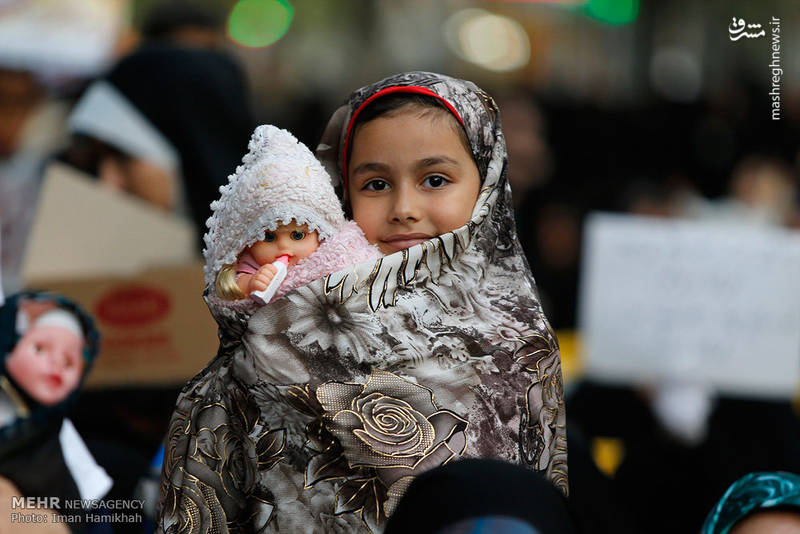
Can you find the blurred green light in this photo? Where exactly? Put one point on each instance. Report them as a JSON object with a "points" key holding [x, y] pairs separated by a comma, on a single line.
{"points": [[258, 23], [617, 12]]}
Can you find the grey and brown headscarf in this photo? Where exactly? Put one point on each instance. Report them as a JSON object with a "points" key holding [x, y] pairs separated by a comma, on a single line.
{"points": [[322, 407]]}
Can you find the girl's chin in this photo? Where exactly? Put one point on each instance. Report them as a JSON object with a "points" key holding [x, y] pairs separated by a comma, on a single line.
{"points": [[386, 249]]}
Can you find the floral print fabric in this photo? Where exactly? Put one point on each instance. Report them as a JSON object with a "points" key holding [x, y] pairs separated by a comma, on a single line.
{"points": [[321, 407]]}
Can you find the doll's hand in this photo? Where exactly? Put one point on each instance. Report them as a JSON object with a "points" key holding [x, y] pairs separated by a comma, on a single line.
{"points": [[260, 281]]}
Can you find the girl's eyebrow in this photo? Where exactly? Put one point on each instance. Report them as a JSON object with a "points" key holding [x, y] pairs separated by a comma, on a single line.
{"points": [[370, 166], [435, 160]]}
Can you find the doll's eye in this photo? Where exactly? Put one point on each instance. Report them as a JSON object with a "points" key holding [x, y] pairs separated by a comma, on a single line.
{"points": [[269, 237], [298, 235], [38, 348]]}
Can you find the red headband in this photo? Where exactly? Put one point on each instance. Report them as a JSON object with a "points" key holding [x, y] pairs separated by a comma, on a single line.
{"points": [[389, 90]]}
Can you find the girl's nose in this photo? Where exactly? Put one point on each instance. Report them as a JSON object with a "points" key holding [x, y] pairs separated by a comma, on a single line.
{"points": [[405, 205]]}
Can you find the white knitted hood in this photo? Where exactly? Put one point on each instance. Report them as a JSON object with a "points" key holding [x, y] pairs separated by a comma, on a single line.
{"points": [[279, 180]]}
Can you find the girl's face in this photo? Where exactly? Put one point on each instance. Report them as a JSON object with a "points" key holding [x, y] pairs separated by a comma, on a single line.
{"points": [[410, 179], [291, 239]]}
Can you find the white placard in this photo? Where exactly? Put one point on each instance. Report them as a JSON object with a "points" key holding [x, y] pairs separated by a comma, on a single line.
{"points": [[697, 301]]}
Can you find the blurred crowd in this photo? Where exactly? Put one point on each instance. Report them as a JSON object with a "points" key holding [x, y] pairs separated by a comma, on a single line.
{"points": [[720, 157]]}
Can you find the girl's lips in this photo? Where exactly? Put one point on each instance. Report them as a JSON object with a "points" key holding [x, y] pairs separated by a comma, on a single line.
{"points": [[404, 241]]}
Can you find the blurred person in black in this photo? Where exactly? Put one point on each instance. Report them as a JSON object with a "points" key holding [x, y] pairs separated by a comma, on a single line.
{"points": [[186, 23], [762, 191], [547, 212], [31, 129], [529, 161], [682, 443], [481, 496], [167, 124]]}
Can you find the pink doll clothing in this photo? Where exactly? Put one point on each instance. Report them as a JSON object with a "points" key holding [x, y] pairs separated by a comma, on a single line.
{"points": [[247, 264], [346, 247]]}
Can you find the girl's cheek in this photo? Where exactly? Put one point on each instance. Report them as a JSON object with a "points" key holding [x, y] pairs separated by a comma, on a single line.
{"points": [[367, 219]]}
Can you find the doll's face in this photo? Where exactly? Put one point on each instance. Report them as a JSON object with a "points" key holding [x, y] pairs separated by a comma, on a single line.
{"points": [[290, 239], [47, 363]]}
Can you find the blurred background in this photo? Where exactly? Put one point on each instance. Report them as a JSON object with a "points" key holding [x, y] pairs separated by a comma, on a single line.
{"points": [[655, 108]]}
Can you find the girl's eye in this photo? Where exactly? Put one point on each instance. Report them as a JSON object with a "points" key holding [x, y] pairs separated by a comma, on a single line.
{"points": [[38, 349], [269, 237], [435, 181], [298, 235], [376, 185]]}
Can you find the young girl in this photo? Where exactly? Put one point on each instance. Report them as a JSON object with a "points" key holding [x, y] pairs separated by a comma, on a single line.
{"points": [[278, 204], [342, 392]]}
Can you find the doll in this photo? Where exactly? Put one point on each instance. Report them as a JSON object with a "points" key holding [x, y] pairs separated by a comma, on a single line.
{"points": [[47, 361], [47, 345], [278, 204], [48, 348]]}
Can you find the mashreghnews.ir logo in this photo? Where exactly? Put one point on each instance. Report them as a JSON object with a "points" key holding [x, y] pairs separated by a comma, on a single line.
{"points": [[738, 29]]}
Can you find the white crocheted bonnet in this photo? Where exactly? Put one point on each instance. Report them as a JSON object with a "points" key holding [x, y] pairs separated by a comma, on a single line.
{"points": [[279, 180]]}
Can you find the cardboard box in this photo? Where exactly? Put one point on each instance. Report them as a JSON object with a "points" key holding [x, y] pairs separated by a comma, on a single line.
{"points": [[155, 328], [134, 269], [84, 229]]}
